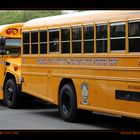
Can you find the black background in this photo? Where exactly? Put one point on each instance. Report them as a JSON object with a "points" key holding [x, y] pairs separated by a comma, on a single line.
{"points": [[68, 5]]}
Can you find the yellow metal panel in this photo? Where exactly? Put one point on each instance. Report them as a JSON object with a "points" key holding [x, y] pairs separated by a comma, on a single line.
{"points": [[108, 36], [126, 32], [94, 38], [70, 40], [60, 43], [2, 70], [38, 42], [82, 35]]}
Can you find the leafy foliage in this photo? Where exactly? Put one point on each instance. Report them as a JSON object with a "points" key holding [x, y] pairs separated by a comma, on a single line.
{"points": [[15, 16]]}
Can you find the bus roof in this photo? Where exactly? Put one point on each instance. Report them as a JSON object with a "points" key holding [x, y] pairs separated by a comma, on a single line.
{"points": [[82, 17], [4, 28]]}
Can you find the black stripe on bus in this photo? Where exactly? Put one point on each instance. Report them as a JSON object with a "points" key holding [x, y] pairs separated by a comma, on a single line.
{"points": [[127, 95]]}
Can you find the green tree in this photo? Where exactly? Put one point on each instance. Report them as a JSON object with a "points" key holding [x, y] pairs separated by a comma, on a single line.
{"points": [[14, 16]]}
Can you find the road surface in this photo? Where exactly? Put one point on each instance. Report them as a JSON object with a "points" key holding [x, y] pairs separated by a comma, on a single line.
{"points": [[37, 115]]}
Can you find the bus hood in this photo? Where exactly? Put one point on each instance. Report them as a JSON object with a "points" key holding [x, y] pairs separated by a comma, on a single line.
{"points": [[14, 61]]}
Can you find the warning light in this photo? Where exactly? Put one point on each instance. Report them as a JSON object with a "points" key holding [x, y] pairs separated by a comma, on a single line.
{"points": [[8, 31], [15, 31], [12, 31]]}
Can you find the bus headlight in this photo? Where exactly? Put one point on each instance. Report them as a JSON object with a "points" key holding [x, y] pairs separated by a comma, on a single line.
{"points": [[20, 80]]}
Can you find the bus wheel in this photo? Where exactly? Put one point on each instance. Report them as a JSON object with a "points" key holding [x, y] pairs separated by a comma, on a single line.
{"points": [[10, 94], [67, 103]]}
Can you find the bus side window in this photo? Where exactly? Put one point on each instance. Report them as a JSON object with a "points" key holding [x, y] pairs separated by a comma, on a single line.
{"points": [[76, 39], [34, 42], [26, 42], [88, 39], [65, 37], [53, 40], [117, 36], [134, 36], [101, 38], [43, 41]]}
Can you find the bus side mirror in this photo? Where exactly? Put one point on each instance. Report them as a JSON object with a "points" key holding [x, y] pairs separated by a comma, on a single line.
{"points": [[2, 41]]}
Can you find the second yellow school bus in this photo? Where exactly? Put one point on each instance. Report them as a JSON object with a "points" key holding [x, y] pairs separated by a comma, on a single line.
{"points": [[10, 62], [84, 61]]}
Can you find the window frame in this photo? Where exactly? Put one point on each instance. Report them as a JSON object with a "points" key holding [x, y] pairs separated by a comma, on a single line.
{"points": [[117, 38], [88, 40], [136, 37], [41, 30], [22, 49], [53, 30], [97, 39], [66, 27], [75, 41], [34, 43]]}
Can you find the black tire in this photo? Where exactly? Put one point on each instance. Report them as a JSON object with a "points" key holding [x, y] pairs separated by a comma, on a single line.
{"points": [[11, 96], [68, 103]]}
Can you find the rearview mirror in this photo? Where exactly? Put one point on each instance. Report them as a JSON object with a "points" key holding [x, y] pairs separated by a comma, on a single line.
{"points": [[2, 44], [2, 41]]}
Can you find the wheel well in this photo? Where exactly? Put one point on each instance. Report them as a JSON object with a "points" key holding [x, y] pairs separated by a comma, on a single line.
{"points": [[63, 82], [8, 76]]}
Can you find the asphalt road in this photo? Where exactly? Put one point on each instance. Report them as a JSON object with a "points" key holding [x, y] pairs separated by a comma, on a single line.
{"points": [[37, 115]]}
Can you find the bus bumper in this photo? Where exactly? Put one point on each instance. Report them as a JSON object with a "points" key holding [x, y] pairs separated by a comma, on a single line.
{"points": [[1, 93]]}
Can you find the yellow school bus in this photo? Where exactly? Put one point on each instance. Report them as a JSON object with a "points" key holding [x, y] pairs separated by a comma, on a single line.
{"points": [[86, 61], [10, 61]]}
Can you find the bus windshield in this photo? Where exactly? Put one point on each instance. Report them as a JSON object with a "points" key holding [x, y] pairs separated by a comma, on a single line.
{"points": [[12, 46]]}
